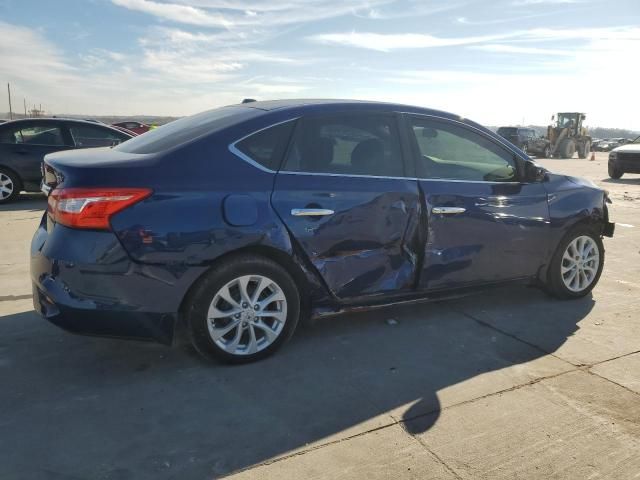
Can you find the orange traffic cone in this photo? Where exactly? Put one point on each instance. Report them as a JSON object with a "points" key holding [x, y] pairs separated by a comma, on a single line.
{"points": [[593, 156]]}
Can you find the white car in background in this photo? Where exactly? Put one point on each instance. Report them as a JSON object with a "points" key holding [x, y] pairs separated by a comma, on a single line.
{"points": [[625, 159]]}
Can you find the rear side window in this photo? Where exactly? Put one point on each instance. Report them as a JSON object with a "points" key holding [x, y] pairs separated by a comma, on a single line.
{"points": [[33, 135], [267, 146], [85, 136], [186, 129], [363, 144]]}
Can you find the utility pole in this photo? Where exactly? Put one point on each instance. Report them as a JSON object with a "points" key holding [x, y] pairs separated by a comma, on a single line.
{"points": [[25, 106], [9, 92]]}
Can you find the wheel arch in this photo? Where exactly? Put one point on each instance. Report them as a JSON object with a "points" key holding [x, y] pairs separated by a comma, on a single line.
{"points": [[584, 221], [294, 265]]}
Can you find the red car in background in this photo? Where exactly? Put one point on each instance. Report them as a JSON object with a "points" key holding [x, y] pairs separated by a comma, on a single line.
{"points": [[135, 127]]}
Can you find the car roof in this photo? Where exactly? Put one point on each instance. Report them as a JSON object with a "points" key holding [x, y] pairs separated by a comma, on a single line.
{"points": [[316, 104], [56, 119], [59, 119]]}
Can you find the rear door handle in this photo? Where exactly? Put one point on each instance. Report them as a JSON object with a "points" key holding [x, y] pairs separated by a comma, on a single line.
{"points": [[311, 212], [447, 210]]}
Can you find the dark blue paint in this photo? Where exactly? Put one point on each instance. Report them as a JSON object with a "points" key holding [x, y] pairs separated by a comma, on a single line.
{"points": [[363, 249], [502, 235], [383, 243], [240, 210]]}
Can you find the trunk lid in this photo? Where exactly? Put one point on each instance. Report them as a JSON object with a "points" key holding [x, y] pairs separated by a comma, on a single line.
{"points": [[95, 167]]}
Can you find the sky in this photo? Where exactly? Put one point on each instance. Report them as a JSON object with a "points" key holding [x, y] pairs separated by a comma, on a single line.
{"points": [[497, 62]]}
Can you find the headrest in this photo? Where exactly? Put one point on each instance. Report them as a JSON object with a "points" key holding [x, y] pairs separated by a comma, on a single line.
{"points": [[367, 155]]}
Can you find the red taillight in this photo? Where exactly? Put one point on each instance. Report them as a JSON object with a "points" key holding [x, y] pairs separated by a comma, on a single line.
{"points": [[91, 207]]}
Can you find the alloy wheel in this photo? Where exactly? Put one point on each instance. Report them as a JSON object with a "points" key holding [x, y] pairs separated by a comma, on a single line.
{"points": [[6, 186], [247, 315], [580, 263]]}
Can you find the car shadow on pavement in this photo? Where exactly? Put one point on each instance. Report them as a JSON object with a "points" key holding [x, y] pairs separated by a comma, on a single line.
{"points": [[622, 181], [29, 202], [81, 407]]}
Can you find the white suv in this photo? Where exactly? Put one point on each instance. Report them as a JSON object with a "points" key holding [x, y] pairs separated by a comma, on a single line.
{"points": [[625, 159]]}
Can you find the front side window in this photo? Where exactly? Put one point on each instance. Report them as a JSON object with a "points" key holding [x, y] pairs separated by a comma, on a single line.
{"points": [[347, 144], [85, 136], [453, 152], [267, 146], [32, 135]]}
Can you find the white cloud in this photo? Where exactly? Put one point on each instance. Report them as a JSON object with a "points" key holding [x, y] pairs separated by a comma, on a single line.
{"points": [[241, 14], [386, 42], [518, 50], [520, 3], [177, 13]]}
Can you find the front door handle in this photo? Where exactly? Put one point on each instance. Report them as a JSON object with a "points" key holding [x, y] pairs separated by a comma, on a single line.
{"points": [[311, 212], [447, 210]]}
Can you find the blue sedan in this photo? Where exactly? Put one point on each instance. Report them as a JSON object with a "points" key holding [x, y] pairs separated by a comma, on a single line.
{"points": [[242, 220]]}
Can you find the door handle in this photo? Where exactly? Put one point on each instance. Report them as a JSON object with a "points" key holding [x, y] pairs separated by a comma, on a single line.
{"points": [[447, 210], [311, 212]]}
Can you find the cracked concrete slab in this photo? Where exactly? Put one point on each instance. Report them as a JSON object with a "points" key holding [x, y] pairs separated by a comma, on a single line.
{"points": [[575, 425], [624, 371], [396, 456], [328, 404]]}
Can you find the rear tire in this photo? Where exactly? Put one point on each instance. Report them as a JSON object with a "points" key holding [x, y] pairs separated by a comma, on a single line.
{"points": [[614, 172], [9, 186], [583, 152], [243, 310], [547, 152], [576, 265], [567, 149]]}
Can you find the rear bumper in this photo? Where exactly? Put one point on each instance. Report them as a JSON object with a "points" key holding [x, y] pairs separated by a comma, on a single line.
{"points": [[84, 282], [609, 228], [90, 318]]}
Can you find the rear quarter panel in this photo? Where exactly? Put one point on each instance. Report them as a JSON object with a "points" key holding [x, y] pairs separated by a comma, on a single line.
{"points": [[207, 202]]}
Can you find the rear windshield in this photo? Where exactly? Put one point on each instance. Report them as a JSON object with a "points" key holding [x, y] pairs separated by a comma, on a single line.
{"points": [[186, 129], [507, 131]]}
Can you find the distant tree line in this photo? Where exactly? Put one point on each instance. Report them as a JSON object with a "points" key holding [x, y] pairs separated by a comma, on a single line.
{"points": [[601, 132], [594, 132]]}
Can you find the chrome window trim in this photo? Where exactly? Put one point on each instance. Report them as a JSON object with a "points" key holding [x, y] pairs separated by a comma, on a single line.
{"points": [[286, 172], [349, 175], [233, 149]]}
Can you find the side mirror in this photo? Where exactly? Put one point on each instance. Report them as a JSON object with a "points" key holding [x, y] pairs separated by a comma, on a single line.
{"points": [[534, 173]]}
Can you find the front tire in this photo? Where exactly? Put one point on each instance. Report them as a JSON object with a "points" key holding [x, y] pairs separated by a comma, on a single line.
{"points": [[614, 172], [547, 152], [567, 148], [243, 310], [583, 152], [576, 265], [9, 186]]}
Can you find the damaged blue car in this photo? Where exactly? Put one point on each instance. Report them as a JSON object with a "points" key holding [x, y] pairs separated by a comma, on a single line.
{"points": [[240, 221]]}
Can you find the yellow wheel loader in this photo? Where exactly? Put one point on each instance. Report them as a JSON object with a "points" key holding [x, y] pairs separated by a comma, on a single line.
{"points": [[568, 136]]}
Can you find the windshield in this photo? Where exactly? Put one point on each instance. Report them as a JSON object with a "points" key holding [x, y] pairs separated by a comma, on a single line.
{"points": [[507, 131], [566, 120]]}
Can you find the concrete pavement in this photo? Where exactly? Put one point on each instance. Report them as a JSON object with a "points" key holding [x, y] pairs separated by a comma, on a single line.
{"points": [[504, 384]]}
